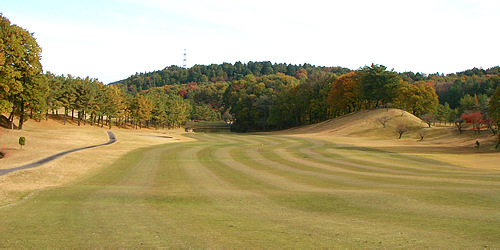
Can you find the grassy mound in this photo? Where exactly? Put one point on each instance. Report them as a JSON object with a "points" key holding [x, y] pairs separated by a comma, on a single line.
{"points": [[366, 123]]}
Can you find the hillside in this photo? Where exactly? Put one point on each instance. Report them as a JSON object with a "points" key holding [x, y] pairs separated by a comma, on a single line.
{"points": [[363, 130], [365, 123]]}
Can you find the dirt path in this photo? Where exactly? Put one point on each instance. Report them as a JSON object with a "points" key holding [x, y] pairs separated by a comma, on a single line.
{"points": [[112, 139]]}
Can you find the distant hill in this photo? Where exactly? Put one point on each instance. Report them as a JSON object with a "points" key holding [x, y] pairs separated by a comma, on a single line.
{"points": [[216, 72]]}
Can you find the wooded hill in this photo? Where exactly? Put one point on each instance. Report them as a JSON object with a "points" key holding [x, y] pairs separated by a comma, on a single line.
{"points": [[278, 96], [450, 88], [225, 72]]}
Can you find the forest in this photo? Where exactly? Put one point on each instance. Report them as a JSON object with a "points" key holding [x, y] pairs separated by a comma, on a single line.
{"points": [[253, 96]]}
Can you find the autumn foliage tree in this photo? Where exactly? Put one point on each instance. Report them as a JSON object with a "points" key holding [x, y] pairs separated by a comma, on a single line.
{"points": [[495, 107], [344, 96], [474, 118], [418, 98], [140, 109], [22, 85]]}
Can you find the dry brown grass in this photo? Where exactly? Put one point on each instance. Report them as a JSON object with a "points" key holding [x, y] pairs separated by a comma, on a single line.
{"points": [[46, 138], [359, 129], [441, 142]]}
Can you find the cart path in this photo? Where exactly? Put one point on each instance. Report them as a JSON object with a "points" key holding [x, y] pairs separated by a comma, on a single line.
{"points": [[112, 139]]}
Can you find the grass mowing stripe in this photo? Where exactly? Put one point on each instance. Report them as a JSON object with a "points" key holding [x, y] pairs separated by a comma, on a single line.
{"points": [[390, 178], [366, 160], [334, 170], [397, 161], [222, 155], [474, 177], [210, 159], [243, 224], [483, 177], [267, 160], [409, 212], [308, 178], [254, 191]]}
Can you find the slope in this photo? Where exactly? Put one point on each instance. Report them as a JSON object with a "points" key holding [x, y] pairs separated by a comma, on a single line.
{"points": [[441, 142], [364, 123]]}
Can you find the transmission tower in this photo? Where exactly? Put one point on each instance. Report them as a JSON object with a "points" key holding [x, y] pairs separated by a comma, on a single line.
{"points": [[184, 61]]}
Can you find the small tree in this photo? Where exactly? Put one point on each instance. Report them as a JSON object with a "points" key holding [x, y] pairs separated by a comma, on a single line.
{"points": [[428, 118], [22, 141], [422, 133], [476, 118], [459, 123], [383, 120], [401, 129]]}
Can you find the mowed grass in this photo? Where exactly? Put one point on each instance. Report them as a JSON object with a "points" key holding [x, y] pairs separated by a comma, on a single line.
{"points": [[229, 190]]}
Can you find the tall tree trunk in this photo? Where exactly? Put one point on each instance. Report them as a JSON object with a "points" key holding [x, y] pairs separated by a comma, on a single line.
{"points": [[65, 114], [21, 117], [11, 116]]}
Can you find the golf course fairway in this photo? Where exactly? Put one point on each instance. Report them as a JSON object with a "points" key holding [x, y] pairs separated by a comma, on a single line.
{"points": [[263, 190]]}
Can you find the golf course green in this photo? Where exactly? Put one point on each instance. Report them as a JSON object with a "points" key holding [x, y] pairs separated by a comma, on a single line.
{"points": [[263, 190]]}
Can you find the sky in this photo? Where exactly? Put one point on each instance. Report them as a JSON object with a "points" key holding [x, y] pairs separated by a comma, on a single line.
{"points": [[113, 39]]}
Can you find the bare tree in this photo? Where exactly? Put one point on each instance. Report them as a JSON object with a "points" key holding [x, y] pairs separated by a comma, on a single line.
{"points": [[459, 123], [428, 118], [401, 129], [383, 120], [422, 133]]}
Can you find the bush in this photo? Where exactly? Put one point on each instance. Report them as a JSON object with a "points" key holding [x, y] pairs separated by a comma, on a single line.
{"points": [[22, 141], [2, 155]]}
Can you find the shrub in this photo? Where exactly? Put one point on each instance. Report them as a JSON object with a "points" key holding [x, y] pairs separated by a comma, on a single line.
{"points": [[22, 141]]}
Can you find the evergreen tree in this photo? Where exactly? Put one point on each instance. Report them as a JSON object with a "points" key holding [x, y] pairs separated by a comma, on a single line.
{"points": [[378, 85]]}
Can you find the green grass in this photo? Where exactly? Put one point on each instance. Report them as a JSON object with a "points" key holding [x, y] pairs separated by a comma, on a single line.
{"points": [[228, 190]]}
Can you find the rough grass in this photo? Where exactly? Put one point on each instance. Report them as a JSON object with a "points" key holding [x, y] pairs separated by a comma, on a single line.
{"points": [[227, 190], [46, 138]]}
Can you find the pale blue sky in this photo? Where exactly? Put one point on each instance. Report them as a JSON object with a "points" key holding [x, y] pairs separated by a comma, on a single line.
{"points": [[113, 39]]}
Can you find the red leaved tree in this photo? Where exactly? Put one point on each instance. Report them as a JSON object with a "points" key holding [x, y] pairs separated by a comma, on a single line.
{"points": [[475, 118]]}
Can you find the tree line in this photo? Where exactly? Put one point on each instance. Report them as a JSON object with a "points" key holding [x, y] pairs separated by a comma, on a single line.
{"points": [[256, 96]]}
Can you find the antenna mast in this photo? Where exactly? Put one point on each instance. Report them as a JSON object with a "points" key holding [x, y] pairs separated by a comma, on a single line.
{"points": [[184, 61]]}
